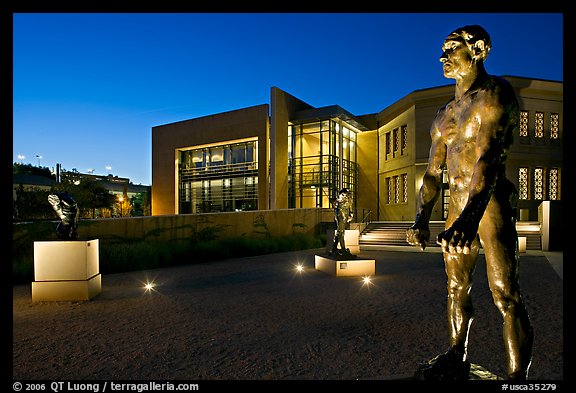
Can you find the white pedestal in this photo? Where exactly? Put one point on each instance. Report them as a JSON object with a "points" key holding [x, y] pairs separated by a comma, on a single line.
{"points": [[351, 239], [350, 267], [522, 244], [66, 270]]}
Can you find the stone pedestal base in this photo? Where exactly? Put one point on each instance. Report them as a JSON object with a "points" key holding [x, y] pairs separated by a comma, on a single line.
{"points": [[70, 290], [66, 270], [351, 267], [351, 239], [521, 243]]}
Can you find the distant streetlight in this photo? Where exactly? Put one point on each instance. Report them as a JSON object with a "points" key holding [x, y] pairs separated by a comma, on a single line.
{"points": [[38, 156]]}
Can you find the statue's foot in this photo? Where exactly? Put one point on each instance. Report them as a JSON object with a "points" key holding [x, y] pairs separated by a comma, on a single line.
{"points": [[518, 376], [448, 366]]}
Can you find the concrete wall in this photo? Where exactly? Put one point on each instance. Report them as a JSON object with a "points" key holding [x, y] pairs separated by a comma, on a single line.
{"points": [[367, 196], [258, 223]]}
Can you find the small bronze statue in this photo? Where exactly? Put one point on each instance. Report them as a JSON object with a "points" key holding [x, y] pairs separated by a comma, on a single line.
{"points": [[342, 216], [67, 210], [471, 136]]}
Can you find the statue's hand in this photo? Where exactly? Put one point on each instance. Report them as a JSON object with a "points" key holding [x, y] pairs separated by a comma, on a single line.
{"points": [[456, 239], [418, 236]]}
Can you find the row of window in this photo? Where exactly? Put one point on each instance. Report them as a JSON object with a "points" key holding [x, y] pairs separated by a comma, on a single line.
{"points": [[397, 189], [228, 194], [539, 121], [226, 154], [396, 142], [540, 184]]}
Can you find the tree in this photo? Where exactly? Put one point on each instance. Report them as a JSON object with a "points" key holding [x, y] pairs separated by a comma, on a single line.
{"points": [[123, 205], [30, 169], [141, 204], [32, 204], [88, 194]]}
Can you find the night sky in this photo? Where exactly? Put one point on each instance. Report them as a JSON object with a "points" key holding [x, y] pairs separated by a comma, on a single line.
{"points": [[89, 87]]}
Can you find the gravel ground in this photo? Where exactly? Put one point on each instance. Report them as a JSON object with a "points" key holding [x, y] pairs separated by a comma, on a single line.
{"points": [[254, 319]]}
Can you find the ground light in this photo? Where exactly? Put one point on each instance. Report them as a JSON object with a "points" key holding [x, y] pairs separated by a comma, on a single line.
{"points": [[366, 280], [149, 286], [299, 268]]}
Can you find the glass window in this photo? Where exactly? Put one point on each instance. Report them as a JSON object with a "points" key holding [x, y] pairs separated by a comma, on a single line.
{"points": [[238, 154], [523, 127], [404, 188], [539, 125], [216, 156], [403, 138], [198, 158], [554, 126], [539, 184], [554, 184], [523, 183]]}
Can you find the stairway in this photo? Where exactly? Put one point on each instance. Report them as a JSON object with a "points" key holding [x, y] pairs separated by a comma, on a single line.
{"points": [[393, 233]]}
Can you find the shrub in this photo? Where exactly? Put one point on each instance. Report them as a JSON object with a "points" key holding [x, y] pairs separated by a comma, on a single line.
{"points": [[116, 257]]}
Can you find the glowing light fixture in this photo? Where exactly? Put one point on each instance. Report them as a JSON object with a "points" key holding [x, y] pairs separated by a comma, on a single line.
{"points": [[299, 268], [149, 286], [366, 280]]}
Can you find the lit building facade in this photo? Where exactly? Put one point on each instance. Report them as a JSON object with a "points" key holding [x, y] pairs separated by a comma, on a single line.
{"points": [[289, 154]]}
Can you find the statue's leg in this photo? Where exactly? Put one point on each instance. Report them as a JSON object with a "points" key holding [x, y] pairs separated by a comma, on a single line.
{"points": [[501, 251], [335, 243], [460, 311], [341, 239], [453, 364]]}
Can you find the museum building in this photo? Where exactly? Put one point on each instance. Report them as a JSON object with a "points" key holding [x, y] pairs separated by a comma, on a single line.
{"points": [[289, 154]]}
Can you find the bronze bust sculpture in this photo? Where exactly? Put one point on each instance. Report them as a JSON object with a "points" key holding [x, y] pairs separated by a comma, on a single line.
{"points": [[66, 208], [471, 136]]}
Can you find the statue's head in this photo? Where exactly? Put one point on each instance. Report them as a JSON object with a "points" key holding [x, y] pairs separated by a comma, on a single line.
{"points": [[475, 37], [343, 194]]}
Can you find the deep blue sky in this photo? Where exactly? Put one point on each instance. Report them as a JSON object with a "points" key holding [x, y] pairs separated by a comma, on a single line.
{"points": [[89, 87]]}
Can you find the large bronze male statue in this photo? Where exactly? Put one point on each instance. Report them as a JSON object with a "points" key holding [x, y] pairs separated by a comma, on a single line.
{"points": [[471, 136]]}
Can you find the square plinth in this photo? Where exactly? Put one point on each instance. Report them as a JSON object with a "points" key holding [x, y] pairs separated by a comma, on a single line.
{"points": [[350, 267], [351, 240], [66, 260], [69, 290]]}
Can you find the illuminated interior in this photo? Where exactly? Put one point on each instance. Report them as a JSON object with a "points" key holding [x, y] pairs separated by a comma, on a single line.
{"points": [[322, 160], [218, 177]]}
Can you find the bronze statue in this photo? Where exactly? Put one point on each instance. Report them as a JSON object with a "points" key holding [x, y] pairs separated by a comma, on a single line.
{"points": [[471, 136], [67, 209], [342, 216]]}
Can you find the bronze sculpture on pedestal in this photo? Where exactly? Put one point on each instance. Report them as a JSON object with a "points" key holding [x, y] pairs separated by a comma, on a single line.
{"points": [[342, 216], [471, 136], [67, 210]]}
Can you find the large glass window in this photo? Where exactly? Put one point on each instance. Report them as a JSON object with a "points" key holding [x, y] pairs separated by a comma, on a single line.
{"points": [[218, 178], [322, 160]]}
